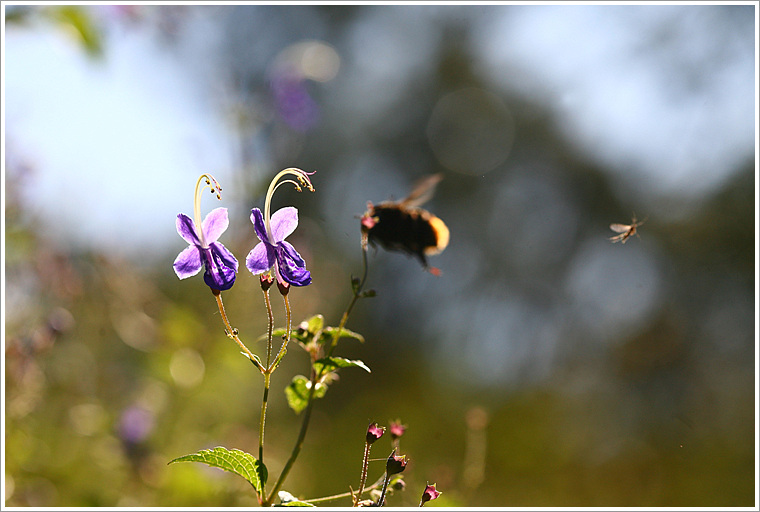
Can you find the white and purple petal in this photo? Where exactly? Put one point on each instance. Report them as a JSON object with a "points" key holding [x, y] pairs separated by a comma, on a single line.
{"points": [[188, 262], [215, 224], [261, 258], [283, 222]]}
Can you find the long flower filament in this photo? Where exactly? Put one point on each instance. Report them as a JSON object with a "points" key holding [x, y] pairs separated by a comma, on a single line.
{"points": [[303, 180], [209, 183]]}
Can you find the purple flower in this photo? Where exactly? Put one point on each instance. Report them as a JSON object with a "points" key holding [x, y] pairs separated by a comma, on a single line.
{"points": [[274, 251], [219, 263]]}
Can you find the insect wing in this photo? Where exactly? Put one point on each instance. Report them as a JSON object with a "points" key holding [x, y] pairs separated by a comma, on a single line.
{"points": [[423, 191], [619, 228]]}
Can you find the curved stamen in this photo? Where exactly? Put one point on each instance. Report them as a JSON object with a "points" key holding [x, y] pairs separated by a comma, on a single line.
{"points": [[214, 187], [303, 180]]}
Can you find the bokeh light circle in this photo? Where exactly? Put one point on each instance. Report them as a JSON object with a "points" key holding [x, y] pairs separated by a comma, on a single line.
{"points": [[471, 131]]}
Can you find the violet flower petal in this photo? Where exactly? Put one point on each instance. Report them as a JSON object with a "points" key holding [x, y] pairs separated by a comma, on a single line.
{"points": [[291, 272], [291, 253], [283, 222], [188, 262], [259, 226], [218, 275], [260, 259], [226, 257], [215, 224], [186, 229], [296, 276]]}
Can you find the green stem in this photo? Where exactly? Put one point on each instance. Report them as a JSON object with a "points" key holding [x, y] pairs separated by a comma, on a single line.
{"points": [[232, 333], [296, 448], [354, 299], [349, 494], [315, 378], [264, 401], [281, 353]]}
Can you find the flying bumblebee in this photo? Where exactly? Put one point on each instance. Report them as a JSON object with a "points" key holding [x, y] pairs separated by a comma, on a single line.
{"points": [[404, 226]]}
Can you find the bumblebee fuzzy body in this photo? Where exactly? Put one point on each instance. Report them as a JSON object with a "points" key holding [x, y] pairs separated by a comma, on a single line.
{"points": [[402, 226]]}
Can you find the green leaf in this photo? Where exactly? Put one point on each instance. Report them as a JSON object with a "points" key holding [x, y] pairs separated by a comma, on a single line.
{"points": [[315, 323], [256, 361], [344, 333], [340, 362], [235, 461], [297, 504], [297, 393]]}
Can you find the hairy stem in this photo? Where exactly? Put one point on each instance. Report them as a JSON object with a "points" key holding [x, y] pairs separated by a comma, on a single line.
{"points": [[281, 353], [381, 500], [232, 333], [365, 462], [264, 401]]}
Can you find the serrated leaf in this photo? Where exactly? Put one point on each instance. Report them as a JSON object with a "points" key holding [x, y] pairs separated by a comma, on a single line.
{"points": [[235, 461], [340, 362], [343, 333], [297, 393]]}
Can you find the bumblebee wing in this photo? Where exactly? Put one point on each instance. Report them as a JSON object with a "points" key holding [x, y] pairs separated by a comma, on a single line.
{"points": [[423, 191], [619, 228]]}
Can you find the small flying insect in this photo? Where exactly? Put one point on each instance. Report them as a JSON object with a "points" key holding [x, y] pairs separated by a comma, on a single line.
{"points": [[625, 230], [404, 226]]}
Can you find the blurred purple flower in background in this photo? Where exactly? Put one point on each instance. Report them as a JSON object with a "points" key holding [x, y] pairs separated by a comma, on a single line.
{"points": [[135, 424], [293, 101]]}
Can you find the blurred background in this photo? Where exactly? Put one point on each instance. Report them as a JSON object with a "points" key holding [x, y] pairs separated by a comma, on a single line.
{"points": [[546, 366]]}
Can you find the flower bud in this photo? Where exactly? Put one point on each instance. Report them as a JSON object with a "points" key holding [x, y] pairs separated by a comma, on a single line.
{"points": [[283, 287], [395, 463], [374, 433], [266, 281], [398, 484], [430, 493], [397, 430]]}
